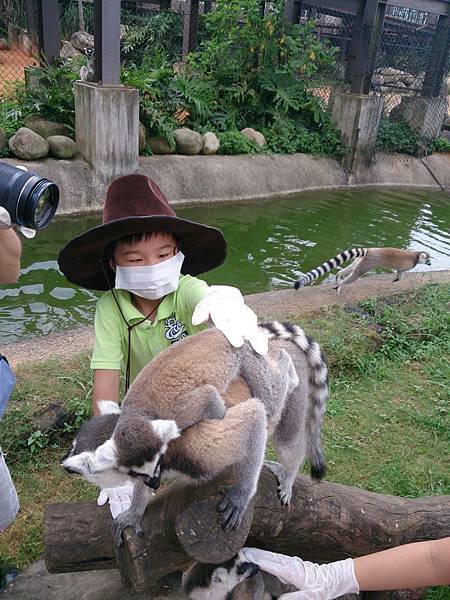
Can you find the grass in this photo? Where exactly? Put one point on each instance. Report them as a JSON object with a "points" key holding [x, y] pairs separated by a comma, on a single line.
{"points": [[386, 429]]}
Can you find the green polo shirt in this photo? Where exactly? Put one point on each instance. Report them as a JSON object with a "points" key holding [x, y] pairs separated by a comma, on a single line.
{"points": [[173, 322]]}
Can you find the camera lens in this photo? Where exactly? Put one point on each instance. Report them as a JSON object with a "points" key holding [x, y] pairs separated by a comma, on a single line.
{"points": [[30, 199]]}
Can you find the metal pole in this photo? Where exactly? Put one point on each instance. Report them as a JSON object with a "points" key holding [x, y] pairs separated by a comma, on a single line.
{"points": [[107, 41], [49, 29], [190, 26]]}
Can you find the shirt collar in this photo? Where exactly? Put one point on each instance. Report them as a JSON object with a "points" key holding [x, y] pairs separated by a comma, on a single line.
{"points": [[133, 315]]}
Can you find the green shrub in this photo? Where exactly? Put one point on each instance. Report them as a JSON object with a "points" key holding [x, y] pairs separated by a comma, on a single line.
{"points": [[441, 145], [397, 136], [233, 142]]}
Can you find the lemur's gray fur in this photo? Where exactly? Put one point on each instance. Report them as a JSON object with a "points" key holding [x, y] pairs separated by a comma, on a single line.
{"points": [[87, 72], [205, 449], [366, 259], [235, 579]]}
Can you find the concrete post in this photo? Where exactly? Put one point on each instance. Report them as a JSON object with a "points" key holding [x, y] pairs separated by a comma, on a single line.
{"points": [[357, 117], [424, 115], [107, 128]]}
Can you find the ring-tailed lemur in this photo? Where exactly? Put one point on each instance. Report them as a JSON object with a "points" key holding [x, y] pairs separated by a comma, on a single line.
{"points": [[366, 259], [112, 445], [87, 72], [235, 579]]}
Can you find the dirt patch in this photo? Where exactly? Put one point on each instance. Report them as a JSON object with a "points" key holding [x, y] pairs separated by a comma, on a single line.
{"points": [[12, 65], [267, 305]]}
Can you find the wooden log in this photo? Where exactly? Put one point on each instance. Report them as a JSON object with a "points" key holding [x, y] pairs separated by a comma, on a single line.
{"points": [[325, 522], [77, 537]]}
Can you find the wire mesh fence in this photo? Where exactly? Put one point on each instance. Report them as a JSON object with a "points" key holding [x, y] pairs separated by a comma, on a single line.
{"points": [[16, 50]]}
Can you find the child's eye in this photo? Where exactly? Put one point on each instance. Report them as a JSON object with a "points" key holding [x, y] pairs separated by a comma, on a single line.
{"points": [[135, 260], [164, 255]]}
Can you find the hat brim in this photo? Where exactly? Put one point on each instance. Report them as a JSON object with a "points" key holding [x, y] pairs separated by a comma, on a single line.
{"points": [[81, 259]]}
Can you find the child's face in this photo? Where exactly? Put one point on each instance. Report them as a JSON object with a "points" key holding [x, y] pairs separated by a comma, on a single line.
{"points": [[152, 250]]}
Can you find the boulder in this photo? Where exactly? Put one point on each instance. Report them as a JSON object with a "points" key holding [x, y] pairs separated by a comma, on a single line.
{"points": [[445, 135], [254, 136], [81, 40], [142, 138], [68, 52], [446, 124], [210, 143], [4, 44], [45, 128], [3, 140], [159, 145], [28, 145], [187, 141], [61, 146]]}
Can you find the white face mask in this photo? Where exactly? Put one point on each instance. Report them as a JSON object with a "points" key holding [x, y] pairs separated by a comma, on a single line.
{"points": [[153, 281]]}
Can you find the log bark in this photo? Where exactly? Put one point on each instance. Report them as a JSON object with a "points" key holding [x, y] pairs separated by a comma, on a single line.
{"points": [[325, 522]]}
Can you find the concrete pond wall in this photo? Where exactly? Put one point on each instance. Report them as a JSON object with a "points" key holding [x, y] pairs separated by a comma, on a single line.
{"points": [[203, 179]]}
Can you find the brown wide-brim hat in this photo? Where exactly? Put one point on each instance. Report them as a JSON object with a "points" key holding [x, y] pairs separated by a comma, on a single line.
{"points": [[135, 204]]}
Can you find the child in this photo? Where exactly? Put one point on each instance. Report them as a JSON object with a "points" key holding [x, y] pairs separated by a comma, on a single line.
{"points": [[139, 253]]}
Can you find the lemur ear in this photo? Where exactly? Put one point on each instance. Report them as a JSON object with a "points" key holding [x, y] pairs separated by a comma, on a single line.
{"points": [[166, 430], [108, 407], [105, 457]]}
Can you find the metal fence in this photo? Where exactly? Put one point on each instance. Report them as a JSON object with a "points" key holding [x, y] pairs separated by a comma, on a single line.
{"points": [[16, 48], [398, 66]]}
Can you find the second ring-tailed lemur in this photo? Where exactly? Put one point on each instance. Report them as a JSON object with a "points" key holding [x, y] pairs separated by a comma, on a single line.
{"points": [[366, 259], [235, 579], [87, 72], [134, 446]]}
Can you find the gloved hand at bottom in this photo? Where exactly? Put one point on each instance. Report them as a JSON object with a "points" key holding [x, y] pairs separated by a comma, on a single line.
{"points": [[314, 582], [119, 498]]}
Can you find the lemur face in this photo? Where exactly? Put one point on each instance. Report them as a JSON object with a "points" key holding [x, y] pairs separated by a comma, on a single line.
{"points": [[424, 258], [216, 582], [92, 455]]}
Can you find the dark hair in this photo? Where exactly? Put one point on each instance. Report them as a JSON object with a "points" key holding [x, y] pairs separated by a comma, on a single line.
{"points": [[134, 238]]}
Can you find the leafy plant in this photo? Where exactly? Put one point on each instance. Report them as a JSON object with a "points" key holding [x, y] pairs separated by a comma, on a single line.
{"points": [[233, 142], [441, 145], [159, 33], [397, 136]]}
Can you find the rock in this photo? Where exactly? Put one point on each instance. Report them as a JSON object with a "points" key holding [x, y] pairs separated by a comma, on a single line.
{"points": [[61, 146], [28, 145], [446, 124], [394, 77], [4, 44], [254, 136], [445, 134], [52, 417], [159, 145], [210, 143], [68, 52], [187, 141], [45, 128], [3, 140], [81, 40], [142, 138]]}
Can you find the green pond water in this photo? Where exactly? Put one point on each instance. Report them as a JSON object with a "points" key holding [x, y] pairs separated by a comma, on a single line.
{"points": [[269, 244]]}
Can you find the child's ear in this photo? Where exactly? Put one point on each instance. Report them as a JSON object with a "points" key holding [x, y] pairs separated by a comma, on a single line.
{"points": [[112, 264]]}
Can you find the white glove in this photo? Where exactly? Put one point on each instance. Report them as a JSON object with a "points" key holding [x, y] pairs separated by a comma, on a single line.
{"points": [[5, 219], [314, 582], [226, 308], [5, 223], [119, 498]]}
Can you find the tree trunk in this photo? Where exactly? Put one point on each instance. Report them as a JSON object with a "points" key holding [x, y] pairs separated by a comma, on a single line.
{"points": [[325, 522], [81, 15]]}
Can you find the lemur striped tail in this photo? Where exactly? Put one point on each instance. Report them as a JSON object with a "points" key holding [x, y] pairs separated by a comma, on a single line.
{"points": [[327, 266], [318, 380]]}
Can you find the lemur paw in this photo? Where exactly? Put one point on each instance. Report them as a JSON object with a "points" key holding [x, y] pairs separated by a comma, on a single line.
{"points": [[233, 508], [284, 489], [124, 520]]}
